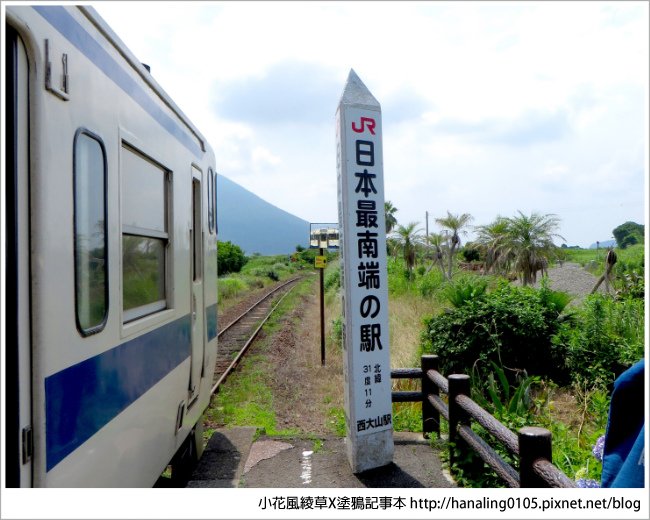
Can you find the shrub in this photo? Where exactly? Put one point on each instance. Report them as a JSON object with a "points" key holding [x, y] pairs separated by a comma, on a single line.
{"points": [[630, 269], [470, 254], [511, 326], [230, 287], [308, 256], [398, 278], [336, 334], [606, 338], [333, 280], [429, 284], [259, 272], [279, 266], [230, 258], [628, 234], [466, 289]]}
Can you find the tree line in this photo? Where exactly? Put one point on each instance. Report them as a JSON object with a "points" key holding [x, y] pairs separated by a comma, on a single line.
{"points": [[522, 244]]}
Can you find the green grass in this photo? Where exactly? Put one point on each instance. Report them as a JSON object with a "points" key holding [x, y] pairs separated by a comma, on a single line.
{"points": [[259, 272], [594, 260], [230, 287], [572, 443], [336, 421], [584, 256], [247, 400]]}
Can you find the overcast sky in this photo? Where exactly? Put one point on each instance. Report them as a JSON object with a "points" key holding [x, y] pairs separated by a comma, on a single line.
{"points": [[488, 108]]}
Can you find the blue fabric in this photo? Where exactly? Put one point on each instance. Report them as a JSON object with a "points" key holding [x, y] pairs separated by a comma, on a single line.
{"points": [[623, 460]]}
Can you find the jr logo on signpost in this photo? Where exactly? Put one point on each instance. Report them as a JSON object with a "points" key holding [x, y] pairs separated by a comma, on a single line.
{"points": [[362, 124], [364, 278]]}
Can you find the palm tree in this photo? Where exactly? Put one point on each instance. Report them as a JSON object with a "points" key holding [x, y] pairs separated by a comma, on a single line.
{"points": [[530, 242], [390, 211], [492, 239], [436, 241], [408, 238], [455, 224]]}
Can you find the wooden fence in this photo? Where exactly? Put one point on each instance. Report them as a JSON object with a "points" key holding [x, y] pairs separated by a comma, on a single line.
{"points": [[531, 444]]}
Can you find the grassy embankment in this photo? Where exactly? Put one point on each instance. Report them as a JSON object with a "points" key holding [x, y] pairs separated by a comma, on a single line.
{"points": [[259, 272], [576, 414], [248, 399], [600, 333], [594, 259], [609, 329]]}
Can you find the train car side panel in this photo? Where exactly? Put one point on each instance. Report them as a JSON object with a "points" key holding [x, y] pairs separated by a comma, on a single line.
{"points": [[111, 255], [18, 421]]}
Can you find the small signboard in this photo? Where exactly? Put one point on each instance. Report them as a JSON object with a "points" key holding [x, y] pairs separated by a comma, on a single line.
{"points": [[320, 262], [364, 280], [324, 236]]}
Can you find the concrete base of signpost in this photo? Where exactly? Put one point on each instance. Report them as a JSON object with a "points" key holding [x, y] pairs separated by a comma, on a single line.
{"points": [[370, 451]]}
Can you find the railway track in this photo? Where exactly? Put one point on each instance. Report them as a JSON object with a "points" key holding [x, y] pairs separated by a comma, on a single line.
{"points": [[238, 335]]}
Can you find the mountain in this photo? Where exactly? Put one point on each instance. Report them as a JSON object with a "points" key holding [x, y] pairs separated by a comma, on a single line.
{"points": [[253, 224], [604, 244]]}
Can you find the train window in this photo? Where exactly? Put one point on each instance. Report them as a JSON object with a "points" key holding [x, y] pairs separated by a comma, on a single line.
{"points": [[197, 227], [90, 237], [214, 203], [210, 200], [145, 237], [143, 193]]}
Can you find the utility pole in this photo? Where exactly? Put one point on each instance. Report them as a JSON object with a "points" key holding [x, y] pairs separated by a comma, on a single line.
{"points": [[426, 220], [322, 311]]}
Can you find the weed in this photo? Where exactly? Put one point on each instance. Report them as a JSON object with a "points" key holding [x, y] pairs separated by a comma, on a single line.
{"points": [[332, 280], [430, 283], [336, 334], [230, 287], [465, 289], [606, 336], [336, 421], [407, 417]]}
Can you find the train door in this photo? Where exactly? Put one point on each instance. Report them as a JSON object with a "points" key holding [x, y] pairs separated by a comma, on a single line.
{"points": [[196, 248], [19, 437]]}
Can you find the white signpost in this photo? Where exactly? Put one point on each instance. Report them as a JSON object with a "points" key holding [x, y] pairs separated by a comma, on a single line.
{"points": [[366, 355]]}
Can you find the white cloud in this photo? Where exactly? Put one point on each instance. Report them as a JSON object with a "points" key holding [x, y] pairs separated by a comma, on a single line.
{"points": [[487, 107], [263, 159]]}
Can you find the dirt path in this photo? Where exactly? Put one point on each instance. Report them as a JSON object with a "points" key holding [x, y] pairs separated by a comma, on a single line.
{"points": [[573, 279], [304, 390]]}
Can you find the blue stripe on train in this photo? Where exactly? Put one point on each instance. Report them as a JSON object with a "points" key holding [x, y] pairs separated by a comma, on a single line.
{"points": [[211, 321], [83, 398], [62, 21]]}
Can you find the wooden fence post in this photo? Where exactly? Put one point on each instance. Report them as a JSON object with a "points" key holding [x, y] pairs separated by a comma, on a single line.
{"points": [[459, 384], [430, 416], [534, 443]]}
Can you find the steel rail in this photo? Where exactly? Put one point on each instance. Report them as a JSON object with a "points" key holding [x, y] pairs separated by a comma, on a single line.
{"points": [[252, 307], [252, 337]]}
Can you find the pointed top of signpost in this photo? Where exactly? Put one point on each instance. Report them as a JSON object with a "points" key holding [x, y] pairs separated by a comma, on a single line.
{"points": [[356, 93]]}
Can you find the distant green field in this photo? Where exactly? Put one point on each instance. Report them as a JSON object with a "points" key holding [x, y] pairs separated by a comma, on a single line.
{"points": [[630, 258], [584, 256], [261, 271]]}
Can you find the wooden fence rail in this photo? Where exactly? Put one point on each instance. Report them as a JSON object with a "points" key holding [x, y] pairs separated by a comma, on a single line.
{"points": [[531, 444]]}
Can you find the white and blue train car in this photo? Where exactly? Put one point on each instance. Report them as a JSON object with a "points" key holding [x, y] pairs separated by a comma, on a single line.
{"points": [[111, 260]]}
